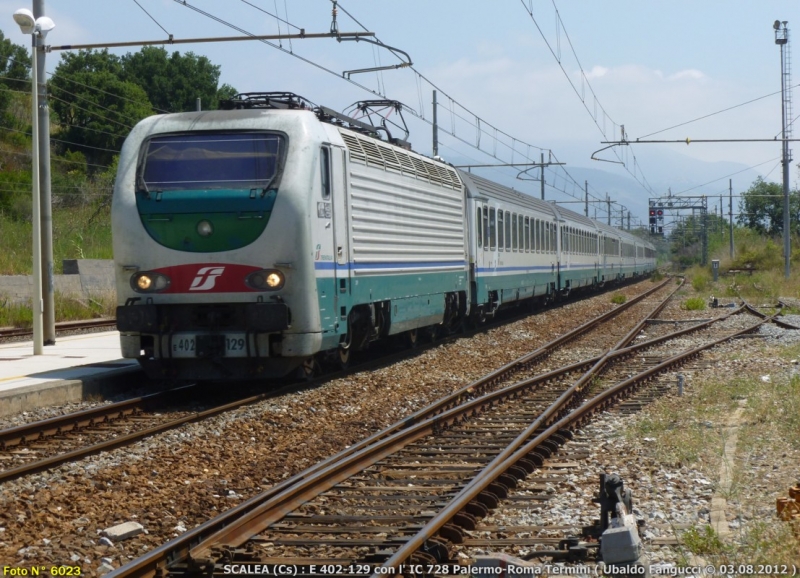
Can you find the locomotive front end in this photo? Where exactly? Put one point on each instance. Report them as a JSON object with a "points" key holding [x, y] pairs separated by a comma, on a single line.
{"points": [[207, 222]]}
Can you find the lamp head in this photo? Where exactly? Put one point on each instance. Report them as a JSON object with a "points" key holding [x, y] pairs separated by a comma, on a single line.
{"points": [[25, 20], [43, 25], [30, 25], [777, 25]]}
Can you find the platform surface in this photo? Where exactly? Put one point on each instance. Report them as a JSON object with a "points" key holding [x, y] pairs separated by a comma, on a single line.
{"points": [[71, 358]]}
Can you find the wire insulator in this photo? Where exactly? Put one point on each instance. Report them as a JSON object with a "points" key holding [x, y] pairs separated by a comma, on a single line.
{"points": [[334, 25]]}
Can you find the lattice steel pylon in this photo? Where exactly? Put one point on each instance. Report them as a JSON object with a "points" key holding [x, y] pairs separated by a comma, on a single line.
{"points": [[782, 40]]}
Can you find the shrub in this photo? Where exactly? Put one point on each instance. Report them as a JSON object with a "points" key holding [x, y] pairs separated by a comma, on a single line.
{"points": [[700, 281], [619, 299], [695, 304]]}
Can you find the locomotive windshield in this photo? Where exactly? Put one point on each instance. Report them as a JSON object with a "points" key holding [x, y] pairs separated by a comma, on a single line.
{"points": [[197, 161]]}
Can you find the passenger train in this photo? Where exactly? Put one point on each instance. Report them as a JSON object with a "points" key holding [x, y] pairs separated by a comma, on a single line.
{"points": [[251, 241]]}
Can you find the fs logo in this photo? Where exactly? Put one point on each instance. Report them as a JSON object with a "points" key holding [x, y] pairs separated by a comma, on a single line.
{"points": [[206, 278], [316, 255]]}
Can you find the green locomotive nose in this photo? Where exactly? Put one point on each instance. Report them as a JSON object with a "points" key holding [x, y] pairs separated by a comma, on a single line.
{"points": [[208, 192]]}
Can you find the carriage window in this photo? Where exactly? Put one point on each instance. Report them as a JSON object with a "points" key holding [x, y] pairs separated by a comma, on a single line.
{"points": [[492, 230], [325, 168], [479, 227], [540, 239], [485, 228], [500, 231], [521, 234], [233, 160], [514, 232], [546, 244], [508, 231], [527, 234]]}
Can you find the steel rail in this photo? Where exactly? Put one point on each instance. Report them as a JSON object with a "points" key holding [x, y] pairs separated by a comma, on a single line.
{"points": [[177, 549], [38, 430], [505, 460], [53, 461], [60, 326]]}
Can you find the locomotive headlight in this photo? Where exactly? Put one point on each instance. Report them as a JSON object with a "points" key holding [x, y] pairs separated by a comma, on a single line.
{"points": [[265, 280], [144, 282], [204, 228], [149, 282]]}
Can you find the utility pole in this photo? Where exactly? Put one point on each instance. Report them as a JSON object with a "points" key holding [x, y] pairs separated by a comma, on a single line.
{"points": [[542, 161], [45, 192], [782, 39], [608, 206], [704, 225], [730, 212], [586, 198]]}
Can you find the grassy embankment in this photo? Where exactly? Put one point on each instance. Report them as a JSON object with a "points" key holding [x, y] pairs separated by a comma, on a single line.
{"points": [[759, 380], [82, 232]]}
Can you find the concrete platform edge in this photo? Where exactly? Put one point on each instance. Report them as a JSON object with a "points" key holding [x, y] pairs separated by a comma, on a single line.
{"points": [[29, 397]]}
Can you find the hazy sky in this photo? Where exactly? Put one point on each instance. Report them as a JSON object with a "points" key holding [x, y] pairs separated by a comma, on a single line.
{"points": [[651, 64]]}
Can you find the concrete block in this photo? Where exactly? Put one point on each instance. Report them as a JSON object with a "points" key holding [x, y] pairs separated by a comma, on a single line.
{"points": [[69, 285], [619, 545], [123, 531], [69, 266], [97, 275], [16, 289]]}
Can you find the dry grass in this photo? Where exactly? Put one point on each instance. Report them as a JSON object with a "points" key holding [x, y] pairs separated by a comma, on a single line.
{"points": [[764, 380]]}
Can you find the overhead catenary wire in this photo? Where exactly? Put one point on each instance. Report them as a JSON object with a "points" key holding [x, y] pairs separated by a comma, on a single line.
{"points": [[151, 17], [560, 26], [481, 127], [714, 113], [727, 177]]}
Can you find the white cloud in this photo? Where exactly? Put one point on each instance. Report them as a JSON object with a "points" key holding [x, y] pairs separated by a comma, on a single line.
{"points": [[690, 74], [597, 72]]}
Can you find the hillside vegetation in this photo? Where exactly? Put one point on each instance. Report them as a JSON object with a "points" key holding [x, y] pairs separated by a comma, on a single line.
{"points": [[95, 98]]}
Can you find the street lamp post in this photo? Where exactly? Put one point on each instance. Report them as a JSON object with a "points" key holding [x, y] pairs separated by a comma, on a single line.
{"points": [[38, 29]]}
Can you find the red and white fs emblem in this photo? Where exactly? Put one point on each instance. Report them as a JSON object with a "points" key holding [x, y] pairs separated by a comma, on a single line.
{"points": [[206, 278]]}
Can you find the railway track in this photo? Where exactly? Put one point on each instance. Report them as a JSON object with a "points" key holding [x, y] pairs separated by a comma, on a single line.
{"points": [[225, 539], [91, 324], [42, 445]]}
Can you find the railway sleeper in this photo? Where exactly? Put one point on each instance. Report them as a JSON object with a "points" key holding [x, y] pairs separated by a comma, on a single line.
{"points": [[455, 534], [466, 521]]}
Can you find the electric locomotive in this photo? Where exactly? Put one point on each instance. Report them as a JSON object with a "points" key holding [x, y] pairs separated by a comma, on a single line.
{"points": [[247, 241]]}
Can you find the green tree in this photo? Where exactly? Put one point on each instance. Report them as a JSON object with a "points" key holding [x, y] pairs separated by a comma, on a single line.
{"points": [[174, 82], [94, 106], [15, 67], [761, 208], [225, 92], [686, 239]]}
